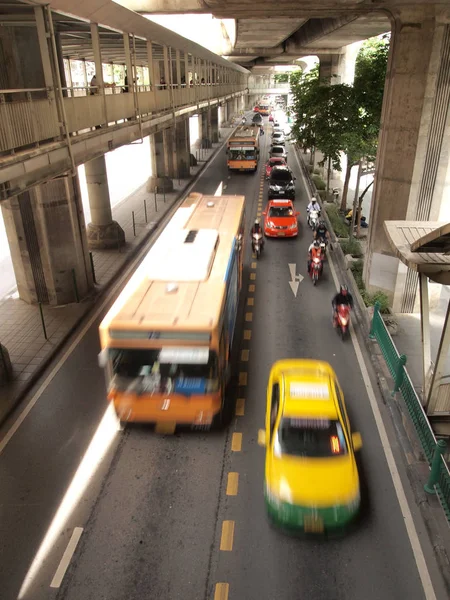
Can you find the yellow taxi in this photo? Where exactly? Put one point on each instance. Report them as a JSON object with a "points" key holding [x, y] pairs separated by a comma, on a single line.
{"points": [[311, 476]]}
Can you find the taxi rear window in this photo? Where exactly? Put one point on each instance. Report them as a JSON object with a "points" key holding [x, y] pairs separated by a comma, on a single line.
{"points": [[310, 438]]}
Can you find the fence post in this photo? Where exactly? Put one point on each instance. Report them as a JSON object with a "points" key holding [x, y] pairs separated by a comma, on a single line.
{"points": [[75, 287], [164, 191], [145, 210], [156, 203], [92, 267], [435, 466], [42, 320], [376, 309], [134, 223], [399, 374]]}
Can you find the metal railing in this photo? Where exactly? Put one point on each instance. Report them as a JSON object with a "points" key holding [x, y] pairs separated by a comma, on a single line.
{"points": [[29, 117], [439, 480]]}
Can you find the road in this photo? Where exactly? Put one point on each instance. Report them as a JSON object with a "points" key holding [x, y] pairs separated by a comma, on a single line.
{"points": [[152, 514]]}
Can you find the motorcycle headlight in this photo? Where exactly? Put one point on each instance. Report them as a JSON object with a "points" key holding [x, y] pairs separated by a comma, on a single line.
{"points": [[344, 321]]}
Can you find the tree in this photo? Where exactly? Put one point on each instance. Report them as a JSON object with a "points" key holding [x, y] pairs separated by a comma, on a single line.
{"points": [[341, 118], [281, 77]]}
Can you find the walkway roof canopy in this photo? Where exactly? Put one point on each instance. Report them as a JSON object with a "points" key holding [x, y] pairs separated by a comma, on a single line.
{"points": [[72, 21], [422, 246]]}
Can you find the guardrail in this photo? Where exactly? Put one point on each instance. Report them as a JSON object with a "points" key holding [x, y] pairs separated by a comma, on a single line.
{"points": [[29, 117], [439, 480]]}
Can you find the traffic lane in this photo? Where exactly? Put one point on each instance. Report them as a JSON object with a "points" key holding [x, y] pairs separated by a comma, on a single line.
{"points": [[37, 466], [376, 560], [151, 531], [162, 496]]}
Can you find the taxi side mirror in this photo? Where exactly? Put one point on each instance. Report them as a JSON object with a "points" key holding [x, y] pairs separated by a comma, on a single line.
{"points": [[264, 213], [297, 214], [261, 437], [357, 441]]}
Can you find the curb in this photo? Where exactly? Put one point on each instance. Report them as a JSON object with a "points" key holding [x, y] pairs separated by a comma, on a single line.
{"points": [[430, 509], [99, 294]]}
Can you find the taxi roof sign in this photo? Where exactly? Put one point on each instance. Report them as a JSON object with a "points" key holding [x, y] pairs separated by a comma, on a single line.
{"points": [[309, 391]]}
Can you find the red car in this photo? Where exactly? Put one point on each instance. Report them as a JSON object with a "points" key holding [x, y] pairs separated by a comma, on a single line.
{"points": [[256, 109], [280, 219], [270, 118], [274, 162]]}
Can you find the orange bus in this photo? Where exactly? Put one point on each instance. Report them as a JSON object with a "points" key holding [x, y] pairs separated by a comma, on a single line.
{"points": [[243, 149], [264, 110], [167, 339]]}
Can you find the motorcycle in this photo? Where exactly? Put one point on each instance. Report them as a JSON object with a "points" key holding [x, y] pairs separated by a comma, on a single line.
{"points": [[243, 120], [315, 269], [323, 246], [257, 245], [313, 218], [342, 320]]}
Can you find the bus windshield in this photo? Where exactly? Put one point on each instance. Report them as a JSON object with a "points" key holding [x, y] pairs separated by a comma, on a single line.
{"points": [[165, 370], [241, 154]]}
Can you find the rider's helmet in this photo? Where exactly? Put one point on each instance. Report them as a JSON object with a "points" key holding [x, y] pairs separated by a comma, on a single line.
{"points": [[256, 221], [316, 244], [344, 290], [322, 223], [313, 199]]}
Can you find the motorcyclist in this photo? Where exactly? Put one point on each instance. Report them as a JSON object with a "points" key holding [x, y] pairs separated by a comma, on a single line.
{"points": [[243, 121], [342, 297], [257, 229], [313, 205], [315, 251], [321, 231]]}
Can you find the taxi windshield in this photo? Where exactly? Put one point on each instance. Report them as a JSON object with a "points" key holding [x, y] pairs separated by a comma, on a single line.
{"points": [[281, 211], [310, 438]]}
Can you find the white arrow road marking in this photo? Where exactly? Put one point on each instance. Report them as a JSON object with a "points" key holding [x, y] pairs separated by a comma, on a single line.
{"points": [[295, 279]]}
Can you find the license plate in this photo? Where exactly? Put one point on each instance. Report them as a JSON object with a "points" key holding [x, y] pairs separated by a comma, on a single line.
{"points": [[313, 524], [281, 233]]}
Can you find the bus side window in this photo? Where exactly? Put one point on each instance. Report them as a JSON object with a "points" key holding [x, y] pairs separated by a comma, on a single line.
{"points": [[222, 351]]}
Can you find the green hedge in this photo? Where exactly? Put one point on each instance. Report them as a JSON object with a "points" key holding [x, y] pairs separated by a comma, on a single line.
{"points": [[352, 247], [319, 182], [369, 299], [316, 171], [340, 228]]}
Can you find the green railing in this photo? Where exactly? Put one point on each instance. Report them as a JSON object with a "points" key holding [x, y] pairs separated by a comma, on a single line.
{"points": [[439, 480]]}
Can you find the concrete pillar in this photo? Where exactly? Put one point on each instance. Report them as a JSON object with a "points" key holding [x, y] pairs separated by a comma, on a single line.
{"points": [[158, 178], [169, 150], [183, 149], [47, 239], [102, 231], [206, 129], [413, 174], [214, 124], [330, 68]]}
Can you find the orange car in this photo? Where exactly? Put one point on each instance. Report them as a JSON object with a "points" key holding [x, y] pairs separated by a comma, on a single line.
{"points": [[280, 219]]}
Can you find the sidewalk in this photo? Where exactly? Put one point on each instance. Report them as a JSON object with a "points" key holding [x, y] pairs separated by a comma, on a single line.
{"points": [[20, 323]]}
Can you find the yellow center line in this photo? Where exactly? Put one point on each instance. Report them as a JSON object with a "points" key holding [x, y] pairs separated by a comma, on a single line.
{"points": [[226, 540], [247, 334], [244, 355], [221, 591], [242, 378], [165, 428], [250, 301], [236, 442], [248, 317], [253, 276], [232, 484], [254, 265], [251, 287], [240, 407]]}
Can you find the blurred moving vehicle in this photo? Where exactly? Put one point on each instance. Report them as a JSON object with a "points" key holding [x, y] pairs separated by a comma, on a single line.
{"points": [[166, 341], [281, 183], [280, 219], [311, 476], [274, 162]]}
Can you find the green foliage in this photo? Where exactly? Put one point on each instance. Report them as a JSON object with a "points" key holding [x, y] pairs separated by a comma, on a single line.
{"points": [[369, 299], [281, 77], [340, 228], [352, 247], [319, 182], [316, 171], [342, 118]]}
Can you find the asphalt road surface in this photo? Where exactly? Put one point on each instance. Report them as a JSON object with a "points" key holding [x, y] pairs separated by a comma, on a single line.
{"points": [[153, 516]]}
